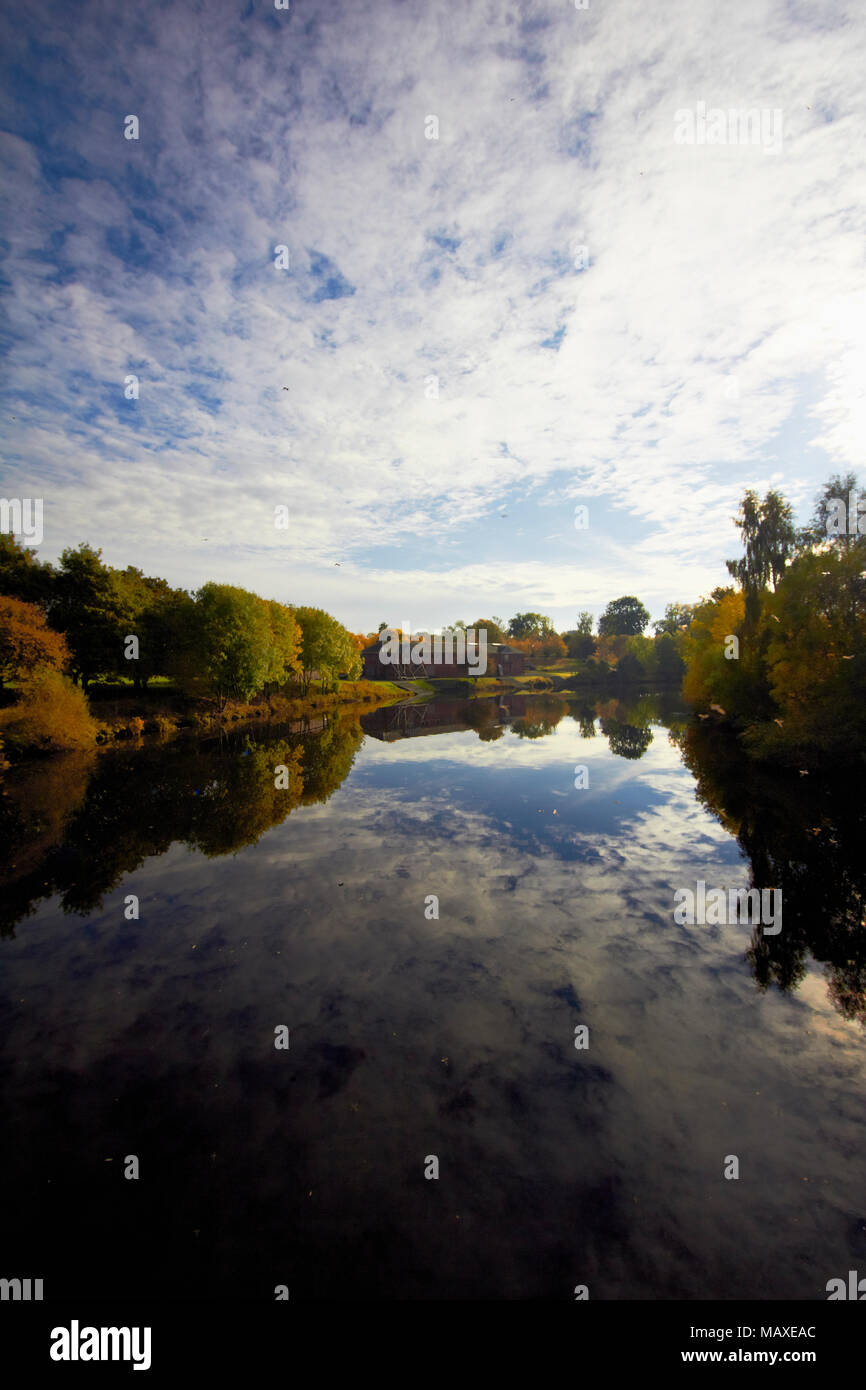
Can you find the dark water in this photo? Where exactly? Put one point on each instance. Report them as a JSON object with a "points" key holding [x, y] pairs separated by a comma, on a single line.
{"points": [[412, 1036]]}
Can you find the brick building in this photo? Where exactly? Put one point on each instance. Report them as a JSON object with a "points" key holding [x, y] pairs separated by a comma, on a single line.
{"points": [[502, 660]]}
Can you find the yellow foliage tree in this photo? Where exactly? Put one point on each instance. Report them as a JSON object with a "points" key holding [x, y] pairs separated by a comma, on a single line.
{"points": [[711, 675]]}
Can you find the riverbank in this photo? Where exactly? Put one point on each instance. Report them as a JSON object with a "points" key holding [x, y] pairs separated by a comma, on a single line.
{"points": [[123, 714]]}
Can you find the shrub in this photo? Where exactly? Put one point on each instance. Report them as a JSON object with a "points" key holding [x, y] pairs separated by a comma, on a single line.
{"points": [[52, 713]]}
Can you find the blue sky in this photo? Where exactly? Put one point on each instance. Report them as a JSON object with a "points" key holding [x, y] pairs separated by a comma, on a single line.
{"points": [[460, 373]]}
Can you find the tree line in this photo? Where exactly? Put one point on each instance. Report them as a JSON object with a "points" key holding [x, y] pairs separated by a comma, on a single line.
{"points": [[618, 646], [99, 622]]}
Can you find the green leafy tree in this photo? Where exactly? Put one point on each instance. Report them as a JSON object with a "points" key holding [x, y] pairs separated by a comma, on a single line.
{"points": [[143, 607], [492, 627], [526, 626], [22, 574], [624, 616], [676, 619], [626, 740], [670, 666], [580, 642], [285, 644], [326, 647], [234, 636], [90, 610]]}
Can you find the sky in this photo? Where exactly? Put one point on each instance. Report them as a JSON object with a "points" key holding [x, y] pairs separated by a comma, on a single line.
{"points": [[515, 281]]}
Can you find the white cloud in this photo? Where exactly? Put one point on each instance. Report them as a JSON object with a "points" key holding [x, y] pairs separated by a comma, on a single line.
{"points": [[706, 264]]}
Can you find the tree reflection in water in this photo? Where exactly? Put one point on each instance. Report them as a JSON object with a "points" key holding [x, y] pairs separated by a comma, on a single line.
{"points": [[76, 825], [805, 836]]}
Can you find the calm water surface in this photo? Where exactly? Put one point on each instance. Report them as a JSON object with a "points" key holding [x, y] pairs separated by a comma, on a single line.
{"points": [[412, 1036]]}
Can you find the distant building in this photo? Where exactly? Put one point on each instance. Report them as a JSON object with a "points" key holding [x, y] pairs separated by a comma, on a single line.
{"points": [[502, 660]]}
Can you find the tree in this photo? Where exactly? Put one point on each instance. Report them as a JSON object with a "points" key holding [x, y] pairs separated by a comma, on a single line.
{"points": [[89, 608], [676, 619], [624, 616], [626, 740], [711, 675], [326, 647], [550, 647], [580, 641], [492, 627], [769, 539], [836, 518], [234, 640], [670, 665], [527, 625], [814, 630], [285, 646], [22, 575], [27, 642], [139, 604]]}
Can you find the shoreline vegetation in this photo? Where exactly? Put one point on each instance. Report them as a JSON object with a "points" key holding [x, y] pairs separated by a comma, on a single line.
{"points": [[90, 655]]}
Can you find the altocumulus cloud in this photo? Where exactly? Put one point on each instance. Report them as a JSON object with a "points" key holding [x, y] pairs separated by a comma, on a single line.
{"points": [[710, 334]]}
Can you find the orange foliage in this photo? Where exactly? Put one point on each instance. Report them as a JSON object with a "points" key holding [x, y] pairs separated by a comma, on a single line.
{"points": [[26, 640]]}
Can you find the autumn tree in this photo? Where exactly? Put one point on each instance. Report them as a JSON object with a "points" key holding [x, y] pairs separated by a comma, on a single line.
{"points": [[717, 671], [27, 642], [814, 630]]}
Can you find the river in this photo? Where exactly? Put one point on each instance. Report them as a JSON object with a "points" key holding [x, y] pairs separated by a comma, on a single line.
{"points": [[509, 1072]]}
